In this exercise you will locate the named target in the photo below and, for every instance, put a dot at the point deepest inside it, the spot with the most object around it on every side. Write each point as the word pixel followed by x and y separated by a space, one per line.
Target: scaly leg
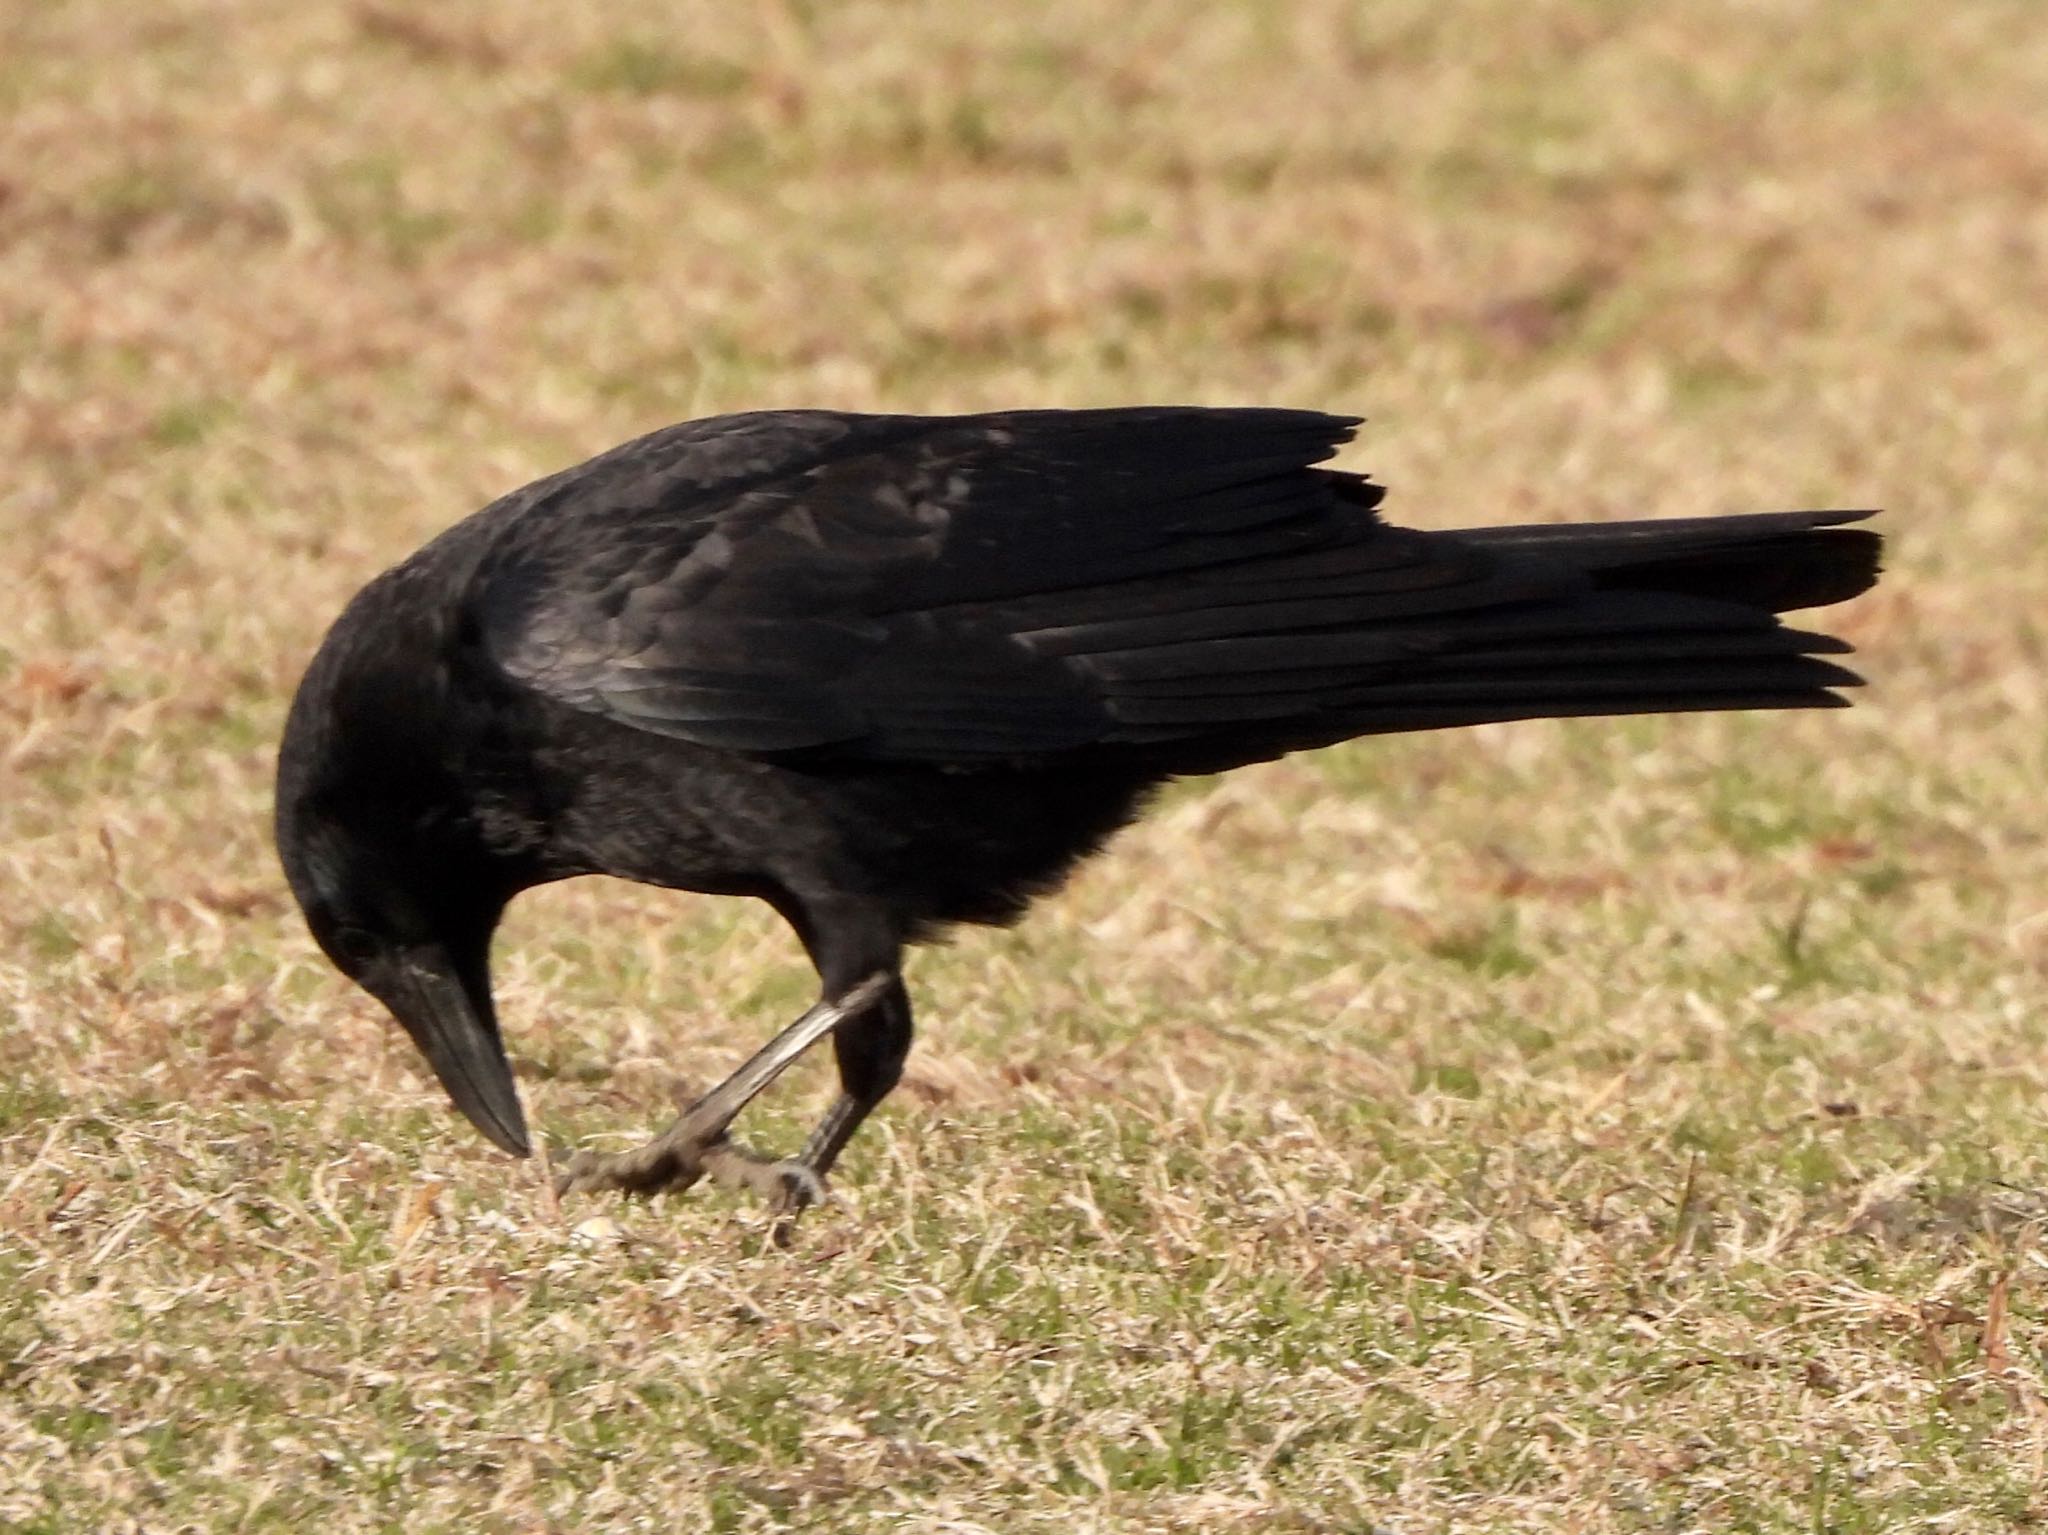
pixel 870 1048
pixel 695 1144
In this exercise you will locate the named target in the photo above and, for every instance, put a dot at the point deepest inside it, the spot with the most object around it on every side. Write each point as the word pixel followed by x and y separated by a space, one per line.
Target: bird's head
pixel 396 899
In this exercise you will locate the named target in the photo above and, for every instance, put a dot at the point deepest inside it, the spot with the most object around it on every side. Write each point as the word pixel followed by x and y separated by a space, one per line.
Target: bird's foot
pixel 696 1143
pixel 666 1165
pixel 788 1184
pixel 663 1165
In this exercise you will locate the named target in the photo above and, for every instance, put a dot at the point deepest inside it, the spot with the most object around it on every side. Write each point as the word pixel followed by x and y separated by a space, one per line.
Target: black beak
pixel 457 1031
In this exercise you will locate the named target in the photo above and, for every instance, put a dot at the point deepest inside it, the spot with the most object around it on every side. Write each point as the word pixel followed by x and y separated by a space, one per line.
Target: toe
pixel 788 1185
pixel 800 1187
pixel 653 1169
pixel 579 1176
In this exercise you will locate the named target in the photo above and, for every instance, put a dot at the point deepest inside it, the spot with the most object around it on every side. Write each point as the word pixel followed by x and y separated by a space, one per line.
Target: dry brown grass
pixel 1594 1128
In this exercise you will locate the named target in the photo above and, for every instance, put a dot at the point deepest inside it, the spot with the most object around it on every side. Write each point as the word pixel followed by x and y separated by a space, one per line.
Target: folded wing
pixel 1180 582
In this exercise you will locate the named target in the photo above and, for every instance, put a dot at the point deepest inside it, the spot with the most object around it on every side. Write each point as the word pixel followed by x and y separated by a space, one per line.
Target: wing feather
pixel 968 589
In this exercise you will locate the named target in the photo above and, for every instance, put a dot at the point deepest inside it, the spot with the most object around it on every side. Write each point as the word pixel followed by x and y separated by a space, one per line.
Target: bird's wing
pixel 997 587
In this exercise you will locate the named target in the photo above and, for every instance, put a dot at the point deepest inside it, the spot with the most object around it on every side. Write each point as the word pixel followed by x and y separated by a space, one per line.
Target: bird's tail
pixel 1643 618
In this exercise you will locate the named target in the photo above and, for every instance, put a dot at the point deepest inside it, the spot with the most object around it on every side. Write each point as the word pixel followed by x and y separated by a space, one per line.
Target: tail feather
pixel 1631 618
pixel 1776 561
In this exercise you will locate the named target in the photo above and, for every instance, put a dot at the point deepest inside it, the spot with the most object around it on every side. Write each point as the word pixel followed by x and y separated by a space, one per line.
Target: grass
pixel 1595 1127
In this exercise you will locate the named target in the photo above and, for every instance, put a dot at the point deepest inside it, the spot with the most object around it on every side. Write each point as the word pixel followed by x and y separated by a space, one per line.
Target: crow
pixel 892 673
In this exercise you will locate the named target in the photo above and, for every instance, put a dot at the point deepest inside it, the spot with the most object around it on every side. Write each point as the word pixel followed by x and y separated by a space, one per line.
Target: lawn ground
pixel 1597 1127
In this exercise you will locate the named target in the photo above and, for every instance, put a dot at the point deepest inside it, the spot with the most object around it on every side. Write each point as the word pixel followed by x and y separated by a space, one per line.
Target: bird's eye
pixel 355 945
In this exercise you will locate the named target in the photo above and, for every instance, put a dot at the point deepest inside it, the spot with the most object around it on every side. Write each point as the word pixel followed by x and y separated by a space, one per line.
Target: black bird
pixel 891 673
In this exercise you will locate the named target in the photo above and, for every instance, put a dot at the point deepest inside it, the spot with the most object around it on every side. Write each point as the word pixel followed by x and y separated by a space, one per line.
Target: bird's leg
pixel 870 1049
pixel 695 1144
